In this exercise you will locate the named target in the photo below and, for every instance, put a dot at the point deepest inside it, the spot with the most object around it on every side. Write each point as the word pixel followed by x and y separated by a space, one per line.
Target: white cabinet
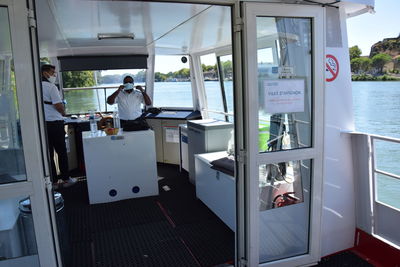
pixel 206 136
pixel 216 189
pixel 120 166
pixel 167 139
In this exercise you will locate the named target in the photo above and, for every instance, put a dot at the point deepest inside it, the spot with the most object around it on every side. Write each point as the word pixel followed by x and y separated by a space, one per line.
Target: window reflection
pixel 12 164
pixel 17 237
pixel 284 83
pixel 280 185
pixel 284 209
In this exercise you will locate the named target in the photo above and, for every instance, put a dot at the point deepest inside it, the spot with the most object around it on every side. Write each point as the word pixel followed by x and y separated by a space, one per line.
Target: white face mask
pixel 128 86
pixel 52 79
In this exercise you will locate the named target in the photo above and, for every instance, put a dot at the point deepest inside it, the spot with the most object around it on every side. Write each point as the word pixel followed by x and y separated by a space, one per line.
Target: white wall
pixel 338 217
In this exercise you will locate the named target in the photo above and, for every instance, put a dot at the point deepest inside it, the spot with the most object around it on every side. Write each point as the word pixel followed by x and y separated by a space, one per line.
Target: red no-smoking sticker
pixel 332 68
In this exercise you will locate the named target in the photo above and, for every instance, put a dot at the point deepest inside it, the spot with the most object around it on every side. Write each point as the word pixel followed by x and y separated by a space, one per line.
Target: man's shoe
pixel 70 182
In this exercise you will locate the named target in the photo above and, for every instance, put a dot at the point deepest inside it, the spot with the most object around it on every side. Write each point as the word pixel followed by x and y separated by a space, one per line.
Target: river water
pixel 376 111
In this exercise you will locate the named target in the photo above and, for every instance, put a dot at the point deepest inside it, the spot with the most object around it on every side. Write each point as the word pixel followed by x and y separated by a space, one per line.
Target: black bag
pixel 139 124
pixel 154 111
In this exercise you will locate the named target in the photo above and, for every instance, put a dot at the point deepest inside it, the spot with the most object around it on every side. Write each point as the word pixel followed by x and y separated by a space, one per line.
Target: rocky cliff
pixel 390 46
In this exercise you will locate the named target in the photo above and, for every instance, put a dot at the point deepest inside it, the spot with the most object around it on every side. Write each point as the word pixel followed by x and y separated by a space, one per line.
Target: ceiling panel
pixel 71 27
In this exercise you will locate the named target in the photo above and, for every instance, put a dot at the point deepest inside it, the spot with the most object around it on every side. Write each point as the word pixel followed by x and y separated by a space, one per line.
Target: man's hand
pixel 120 88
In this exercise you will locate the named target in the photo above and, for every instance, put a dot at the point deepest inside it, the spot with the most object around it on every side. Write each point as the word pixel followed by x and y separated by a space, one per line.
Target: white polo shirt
pixel 51 94
pixel 129 105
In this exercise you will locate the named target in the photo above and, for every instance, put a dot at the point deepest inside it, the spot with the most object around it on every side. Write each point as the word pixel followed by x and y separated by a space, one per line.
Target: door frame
pixel 32 137
pixel 253 157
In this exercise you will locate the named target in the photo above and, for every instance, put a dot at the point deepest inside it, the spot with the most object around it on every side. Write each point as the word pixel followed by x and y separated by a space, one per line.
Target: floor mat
pixel 211 241
pixel 149 231
pixel 153 244
pixel 344 259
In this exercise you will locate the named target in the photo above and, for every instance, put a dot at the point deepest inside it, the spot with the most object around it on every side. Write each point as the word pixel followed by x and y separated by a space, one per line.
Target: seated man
pixel 129 101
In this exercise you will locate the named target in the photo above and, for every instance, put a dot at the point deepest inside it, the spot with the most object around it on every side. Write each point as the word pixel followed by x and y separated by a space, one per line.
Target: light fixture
pixel 102 36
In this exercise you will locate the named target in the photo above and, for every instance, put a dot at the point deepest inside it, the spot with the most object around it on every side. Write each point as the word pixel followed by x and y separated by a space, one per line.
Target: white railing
pixel 376 214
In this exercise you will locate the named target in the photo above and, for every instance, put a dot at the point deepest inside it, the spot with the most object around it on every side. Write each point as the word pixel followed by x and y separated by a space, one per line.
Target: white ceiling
pixel 71 27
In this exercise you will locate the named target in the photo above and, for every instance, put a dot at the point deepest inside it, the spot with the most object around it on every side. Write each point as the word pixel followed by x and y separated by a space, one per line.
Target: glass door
pixel 284 85
pixel 26 237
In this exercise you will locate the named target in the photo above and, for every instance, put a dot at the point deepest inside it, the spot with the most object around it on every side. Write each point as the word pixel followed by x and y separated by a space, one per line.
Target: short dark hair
pixel 128 77
pixel 47 67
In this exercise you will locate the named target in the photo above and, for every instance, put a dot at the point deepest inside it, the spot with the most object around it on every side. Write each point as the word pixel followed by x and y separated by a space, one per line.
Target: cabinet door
pixel 217 191
pixel 156 126
pixel 170 131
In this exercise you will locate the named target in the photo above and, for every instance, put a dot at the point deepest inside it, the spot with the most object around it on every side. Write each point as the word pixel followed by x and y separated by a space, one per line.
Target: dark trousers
pixel 56 141
pixel 136 124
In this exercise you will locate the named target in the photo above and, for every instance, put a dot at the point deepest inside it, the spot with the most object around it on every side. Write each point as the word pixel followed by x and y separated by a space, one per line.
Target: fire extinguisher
pixel 284 199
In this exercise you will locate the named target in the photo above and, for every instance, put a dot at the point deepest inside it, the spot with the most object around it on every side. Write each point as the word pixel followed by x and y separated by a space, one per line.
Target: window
pixel 88 90
pixel 172 86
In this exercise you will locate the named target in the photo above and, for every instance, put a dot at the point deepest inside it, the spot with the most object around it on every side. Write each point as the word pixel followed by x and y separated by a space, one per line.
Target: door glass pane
pixel 17 236
pixel 12 164
pixel 284 209
pixel 284 63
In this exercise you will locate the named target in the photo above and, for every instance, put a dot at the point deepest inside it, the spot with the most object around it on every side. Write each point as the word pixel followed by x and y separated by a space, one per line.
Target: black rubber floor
pixel 172 229
pixel 344 259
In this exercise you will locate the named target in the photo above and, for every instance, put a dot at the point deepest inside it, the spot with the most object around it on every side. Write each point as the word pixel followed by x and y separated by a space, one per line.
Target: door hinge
pixel 47 182
pixel 243 262
pixel 31 18
pixel 238 27
pixel 242 156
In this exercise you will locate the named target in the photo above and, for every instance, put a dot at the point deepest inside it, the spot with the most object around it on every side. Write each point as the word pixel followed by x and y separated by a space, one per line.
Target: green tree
pixel 365 64
pixel 159 77
pixel 355 52
pixel 379 61
pixel 140 77
pixel 78 79
pixel 355 65
pixel 182 73
pixel 227 67
pixel 361 64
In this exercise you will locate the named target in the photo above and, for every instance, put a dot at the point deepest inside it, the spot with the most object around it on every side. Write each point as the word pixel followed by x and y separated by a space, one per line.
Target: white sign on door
pixel 171 135
pixel 284 96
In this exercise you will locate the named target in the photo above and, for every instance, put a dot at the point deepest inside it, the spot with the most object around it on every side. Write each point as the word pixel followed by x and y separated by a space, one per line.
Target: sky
pixel 368 29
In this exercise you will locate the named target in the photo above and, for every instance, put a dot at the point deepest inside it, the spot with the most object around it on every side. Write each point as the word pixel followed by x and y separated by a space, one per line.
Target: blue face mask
pixel 128 86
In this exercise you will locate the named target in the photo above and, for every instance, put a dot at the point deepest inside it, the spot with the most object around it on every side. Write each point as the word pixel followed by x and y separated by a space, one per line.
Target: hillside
pixel 390 46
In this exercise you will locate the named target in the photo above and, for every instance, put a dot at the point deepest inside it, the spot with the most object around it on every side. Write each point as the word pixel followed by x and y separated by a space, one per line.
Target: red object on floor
pixel 375 251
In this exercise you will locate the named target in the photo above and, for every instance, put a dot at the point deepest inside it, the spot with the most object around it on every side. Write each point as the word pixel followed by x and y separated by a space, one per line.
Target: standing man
pixel 129 101
pixel 54 115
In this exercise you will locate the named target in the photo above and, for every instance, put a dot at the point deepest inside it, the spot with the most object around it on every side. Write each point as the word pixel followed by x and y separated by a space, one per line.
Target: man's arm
pixel 111 98
pixel 147 99
pixel 60 108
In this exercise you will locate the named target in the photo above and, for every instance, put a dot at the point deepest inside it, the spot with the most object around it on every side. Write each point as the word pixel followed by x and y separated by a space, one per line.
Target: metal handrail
pixel 387 174
pixel 89 88
pixel 374 137
pixel 93 88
